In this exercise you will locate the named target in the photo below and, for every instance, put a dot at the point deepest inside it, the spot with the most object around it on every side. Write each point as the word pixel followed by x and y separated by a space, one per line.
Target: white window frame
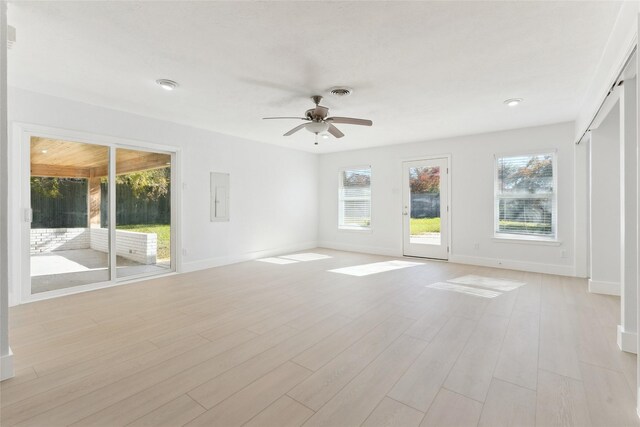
pixel 554 198
pixel 340 199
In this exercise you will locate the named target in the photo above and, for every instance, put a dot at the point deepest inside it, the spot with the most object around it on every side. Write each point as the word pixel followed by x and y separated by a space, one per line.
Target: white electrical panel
pixel 219 196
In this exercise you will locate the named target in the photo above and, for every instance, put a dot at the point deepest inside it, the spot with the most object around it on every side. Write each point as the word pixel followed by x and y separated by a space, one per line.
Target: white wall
pixel 605 205
pixel 6 356
pixel 627 331
pixel 472 198
pixel 622 40
pixel 273 204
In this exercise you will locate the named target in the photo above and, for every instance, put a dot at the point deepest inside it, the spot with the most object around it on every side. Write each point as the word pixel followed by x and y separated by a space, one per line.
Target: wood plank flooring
pixel 272 345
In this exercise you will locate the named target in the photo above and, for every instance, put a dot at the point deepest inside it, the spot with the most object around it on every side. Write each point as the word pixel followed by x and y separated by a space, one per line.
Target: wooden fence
pixel 425 205
pixel 69 208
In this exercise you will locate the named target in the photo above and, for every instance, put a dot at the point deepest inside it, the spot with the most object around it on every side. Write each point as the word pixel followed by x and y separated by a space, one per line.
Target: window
pixel 526 196
pixel 354 196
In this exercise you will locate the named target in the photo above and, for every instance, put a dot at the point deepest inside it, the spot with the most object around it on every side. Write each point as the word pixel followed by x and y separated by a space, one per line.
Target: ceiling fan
pixel 317 121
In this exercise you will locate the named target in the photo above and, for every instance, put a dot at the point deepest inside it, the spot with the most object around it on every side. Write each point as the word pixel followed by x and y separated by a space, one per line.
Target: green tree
pixel 150 184
pixel 424 180
pixel 45 186
pixel 356 179
pixel 534 176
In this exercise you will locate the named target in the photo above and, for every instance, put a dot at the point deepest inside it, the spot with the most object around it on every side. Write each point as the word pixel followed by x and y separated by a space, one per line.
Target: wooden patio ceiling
pixel 66 159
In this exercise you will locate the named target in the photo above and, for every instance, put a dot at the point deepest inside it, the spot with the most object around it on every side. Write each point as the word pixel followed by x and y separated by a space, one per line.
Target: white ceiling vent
pixel 11 36
pixel 341 91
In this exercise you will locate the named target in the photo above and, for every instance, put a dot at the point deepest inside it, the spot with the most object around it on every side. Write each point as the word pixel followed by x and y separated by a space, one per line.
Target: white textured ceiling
pixel 420 70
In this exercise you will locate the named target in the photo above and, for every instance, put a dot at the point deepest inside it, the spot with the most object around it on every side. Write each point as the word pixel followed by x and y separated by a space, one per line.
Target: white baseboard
pixel 627 341
pixel 562 270
pixel 361 248
pixel 226 260
pixel 6 366
pixel 605 288
pixel 534 267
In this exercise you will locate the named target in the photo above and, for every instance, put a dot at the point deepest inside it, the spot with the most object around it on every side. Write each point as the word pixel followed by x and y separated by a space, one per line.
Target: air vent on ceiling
pixel 341 91
pixel 11 36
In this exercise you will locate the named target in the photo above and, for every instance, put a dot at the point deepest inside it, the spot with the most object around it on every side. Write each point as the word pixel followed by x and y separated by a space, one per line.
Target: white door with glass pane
pixel 425 210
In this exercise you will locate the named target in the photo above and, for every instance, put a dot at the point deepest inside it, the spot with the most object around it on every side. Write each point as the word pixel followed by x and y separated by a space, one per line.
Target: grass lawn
pixel 425 225
pixel 526 227
pixel 163 232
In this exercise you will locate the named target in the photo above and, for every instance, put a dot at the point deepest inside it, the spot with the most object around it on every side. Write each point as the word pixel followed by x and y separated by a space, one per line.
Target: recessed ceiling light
pixel 512 102
pixel 44 151
pixel 167 84
pixel 325 136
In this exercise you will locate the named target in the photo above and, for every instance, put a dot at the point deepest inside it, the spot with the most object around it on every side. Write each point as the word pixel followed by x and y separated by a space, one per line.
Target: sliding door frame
pixel 20 205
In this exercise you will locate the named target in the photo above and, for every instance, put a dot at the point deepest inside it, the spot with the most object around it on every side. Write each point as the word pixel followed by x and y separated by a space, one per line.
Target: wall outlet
pixel 476 246
pixel 184 252
pixel 499 262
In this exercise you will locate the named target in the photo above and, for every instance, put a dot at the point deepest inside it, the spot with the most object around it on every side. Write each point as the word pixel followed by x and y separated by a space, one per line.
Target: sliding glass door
pixel 98 213
pixel 69 244
pixel 143 212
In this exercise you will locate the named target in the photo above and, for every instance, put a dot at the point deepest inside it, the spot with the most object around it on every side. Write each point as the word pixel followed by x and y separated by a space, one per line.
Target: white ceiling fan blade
pixel 335 131
pixel 277 118
pixel 350 121
pixel 296 129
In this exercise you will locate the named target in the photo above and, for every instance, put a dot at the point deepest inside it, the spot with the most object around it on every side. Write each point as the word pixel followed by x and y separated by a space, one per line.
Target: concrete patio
pixel 66 269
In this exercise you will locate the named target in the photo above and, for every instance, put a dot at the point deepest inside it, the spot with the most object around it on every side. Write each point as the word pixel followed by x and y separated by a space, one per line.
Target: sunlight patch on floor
pixel 274 260
pixel 294 258
pixel 487 282
pixel 485 293
pixel 308 256
pixel 375 268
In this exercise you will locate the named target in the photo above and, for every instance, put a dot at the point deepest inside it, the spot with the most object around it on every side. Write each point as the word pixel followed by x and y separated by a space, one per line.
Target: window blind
pixel 526 195
pixel 354 195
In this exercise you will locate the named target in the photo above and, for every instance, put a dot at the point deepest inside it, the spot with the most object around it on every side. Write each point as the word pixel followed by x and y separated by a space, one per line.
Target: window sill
pixel 526 240
pixel 355 229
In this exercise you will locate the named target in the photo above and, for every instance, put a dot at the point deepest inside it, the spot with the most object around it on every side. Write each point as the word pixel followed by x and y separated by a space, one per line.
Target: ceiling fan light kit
pixel 317 121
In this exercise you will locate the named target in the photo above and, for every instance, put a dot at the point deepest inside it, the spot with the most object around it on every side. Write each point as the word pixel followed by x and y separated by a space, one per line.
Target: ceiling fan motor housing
pixel 318 113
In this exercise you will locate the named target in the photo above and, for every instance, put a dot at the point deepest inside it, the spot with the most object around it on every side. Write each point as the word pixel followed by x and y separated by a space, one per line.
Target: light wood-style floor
pixel 263 344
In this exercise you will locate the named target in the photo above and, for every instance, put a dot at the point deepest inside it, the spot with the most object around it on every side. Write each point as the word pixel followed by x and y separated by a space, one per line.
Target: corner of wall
pixel 6 366
pixel 204 264
pixel 604 288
